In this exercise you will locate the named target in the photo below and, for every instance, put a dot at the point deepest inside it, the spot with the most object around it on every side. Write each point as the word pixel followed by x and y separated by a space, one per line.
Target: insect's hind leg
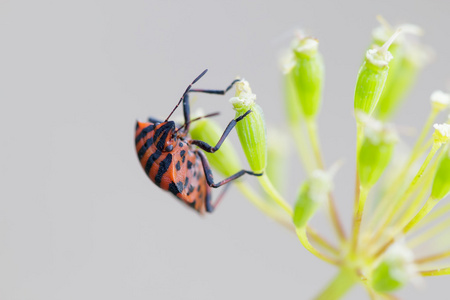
pixel 210 178
pixel 210 207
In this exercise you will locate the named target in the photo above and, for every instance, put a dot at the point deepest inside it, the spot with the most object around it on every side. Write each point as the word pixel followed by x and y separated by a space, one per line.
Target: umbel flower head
pixel 400 207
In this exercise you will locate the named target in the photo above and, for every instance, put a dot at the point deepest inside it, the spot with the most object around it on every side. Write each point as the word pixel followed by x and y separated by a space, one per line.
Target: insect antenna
pixel 187 91
pixel 196 119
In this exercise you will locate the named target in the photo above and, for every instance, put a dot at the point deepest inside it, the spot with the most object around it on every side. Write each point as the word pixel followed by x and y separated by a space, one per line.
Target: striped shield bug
pixel 173 161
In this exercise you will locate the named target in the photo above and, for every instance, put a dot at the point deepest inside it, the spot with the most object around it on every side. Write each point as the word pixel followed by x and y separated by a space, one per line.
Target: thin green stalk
pixel 321 241
pixel 418 149
pixel 413 205
pixel 339 286
pixel 302 236
pixel 431 202
pixel 266 207
pixel 429 233
pixel 274 194
pixel 437 272
pixel 400 202
pixel 357 217
pixel 311 126
pixel 269 210
pixel 425 129
pixel 434 257
pixel 433 216
pixel 305 154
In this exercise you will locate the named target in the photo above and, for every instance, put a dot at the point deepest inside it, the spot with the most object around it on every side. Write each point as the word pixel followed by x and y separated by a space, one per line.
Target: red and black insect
pixel 172 161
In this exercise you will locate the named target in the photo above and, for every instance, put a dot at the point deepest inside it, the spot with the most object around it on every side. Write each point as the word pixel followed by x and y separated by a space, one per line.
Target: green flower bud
pixel 293 109
pixel 401 78
pixel 441 183
pixel 308 75
pixel 395 270
pixel 225 160
pixel 409 60
pixel 252 128
pixel 372 77
pixel 313 192
pixel 375 152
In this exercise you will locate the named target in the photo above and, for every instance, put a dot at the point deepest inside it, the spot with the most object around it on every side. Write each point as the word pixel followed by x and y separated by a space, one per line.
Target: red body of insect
pixel 173 162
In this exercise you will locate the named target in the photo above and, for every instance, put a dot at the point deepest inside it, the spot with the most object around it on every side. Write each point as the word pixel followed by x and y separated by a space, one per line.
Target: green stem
pixel 400 202
pixel 266 207
pixel 357 217
pixel 305 154
pixel 302 236
pixel 418 149
pixel 276 214
pixel 434 257
pixel 429 233
pixel 274 194
pixel 437 272
pixel 425 129
pixel 420 195
pixel 431 202
pixel 311 126
pixel 341 284
pixel 433 216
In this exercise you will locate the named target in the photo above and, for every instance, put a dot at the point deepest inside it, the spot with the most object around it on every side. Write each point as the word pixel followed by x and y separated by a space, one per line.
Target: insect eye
pixel 169 148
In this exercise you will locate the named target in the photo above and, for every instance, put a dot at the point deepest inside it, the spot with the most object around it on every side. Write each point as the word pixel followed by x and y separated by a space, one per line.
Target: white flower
pixel 378 58
pixel 287 61
pixel 244 97
pixel 321 183
pixel 441 133
pixel 307 45
pixel 440 100
pixel 401 260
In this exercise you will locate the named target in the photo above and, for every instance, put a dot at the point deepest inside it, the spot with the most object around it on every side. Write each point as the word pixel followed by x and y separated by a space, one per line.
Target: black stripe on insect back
pixel 162 138
pixel 145 147
pixel 163 167
pixel 144 132
pixel 173 188
pixel 151 160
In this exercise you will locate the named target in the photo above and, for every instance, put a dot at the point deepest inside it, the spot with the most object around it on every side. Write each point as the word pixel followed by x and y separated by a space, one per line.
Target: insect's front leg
pixel 209 148
pixel 218 92
pixel 186 106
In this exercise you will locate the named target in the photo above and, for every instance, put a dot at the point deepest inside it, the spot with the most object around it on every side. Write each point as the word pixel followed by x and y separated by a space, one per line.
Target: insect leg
pixel 210 207
pixel 207 147
pixel 154 121
pixel 186 107
pixel 186 112
pixel 218 92
pixel 210 178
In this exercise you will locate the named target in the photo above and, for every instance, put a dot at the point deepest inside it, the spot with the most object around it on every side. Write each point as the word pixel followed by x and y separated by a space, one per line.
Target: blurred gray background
pixel 78 217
